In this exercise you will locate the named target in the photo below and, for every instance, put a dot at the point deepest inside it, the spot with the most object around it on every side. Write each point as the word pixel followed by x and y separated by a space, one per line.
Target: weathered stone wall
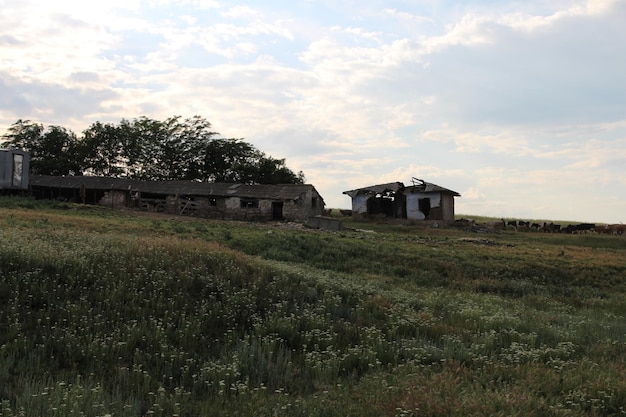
pixel 308 205
pixel 230 208
pixel 324 223
pixel 115 199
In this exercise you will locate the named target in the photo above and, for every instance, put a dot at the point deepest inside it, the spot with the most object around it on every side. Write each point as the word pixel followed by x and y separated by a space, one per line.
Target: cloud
pixel 406 17
pixel 473 193
pixel 515 105
pixel 484 70
pixel 50 103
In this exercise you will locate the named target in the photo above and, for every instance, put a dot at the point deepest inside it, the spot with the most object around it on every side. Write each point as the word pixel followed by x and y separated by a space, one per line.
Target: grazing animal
pixel 551 227
pixel 519 225
pixel 585 227
pixel 579 228
pixel 602 229
pixel 615 229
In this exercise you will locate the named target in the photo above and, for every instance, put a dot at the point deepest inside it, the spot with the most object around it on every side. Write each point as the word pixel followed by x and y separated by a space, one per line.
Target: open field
pixel 127 314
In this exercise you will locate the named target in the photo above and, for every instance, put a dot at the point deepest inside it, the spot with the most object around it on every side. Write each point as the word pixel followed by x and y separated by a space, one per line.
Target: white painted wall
pixel 412 204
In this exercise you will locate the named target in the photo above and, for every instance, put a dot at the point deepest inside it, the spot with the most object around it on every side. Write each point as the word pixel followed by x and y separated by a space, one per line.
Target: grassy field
pixel 112 313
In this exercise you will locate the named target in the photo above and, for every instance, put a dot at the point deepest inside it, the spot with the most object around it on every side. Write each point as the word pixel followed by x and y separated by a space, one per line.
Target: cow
pixel 585 227
pixel 578 228
pixel 615 229
pixel 519 225
pixel 551 227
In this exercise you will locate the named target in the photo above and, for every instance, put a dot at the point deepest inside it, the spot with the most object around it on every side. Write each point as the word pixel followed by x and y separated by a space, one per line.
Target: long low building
pixel 291 202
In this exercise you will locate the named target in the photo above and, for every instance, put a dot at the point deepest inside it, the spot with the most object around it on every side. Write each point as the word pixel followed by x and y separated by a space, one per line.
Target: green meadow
pixel 120 313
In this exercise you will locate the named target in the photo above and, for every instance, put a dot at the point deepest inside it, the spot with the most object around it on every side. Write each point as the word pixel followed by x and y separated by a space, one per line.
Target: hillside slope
pixel 118 313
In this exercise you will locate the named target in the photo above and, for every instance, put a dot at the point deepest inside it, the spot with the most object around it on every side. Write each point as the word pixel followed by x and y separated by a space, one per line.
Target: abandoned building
pixel 14 170
pixel 419 201
pixel 291 202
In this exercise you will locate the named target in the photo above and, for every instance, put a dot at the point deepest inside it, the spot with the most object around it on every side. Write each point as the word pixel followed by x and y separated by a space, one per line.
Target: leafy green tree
pixel 227 160
pixel 53 151
pixel 164 150
pixel 182 152
pixel 199 135
pixel 147 149
pixel 101 150
pixel 132 152
pixel 148 138
pixel 233 160
pixel 24 135
pixel 274 171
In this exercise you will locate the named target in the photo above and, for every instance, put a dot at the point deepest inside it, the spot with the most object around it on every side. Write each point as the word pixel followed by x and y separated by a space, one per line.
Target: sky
pixel 518 105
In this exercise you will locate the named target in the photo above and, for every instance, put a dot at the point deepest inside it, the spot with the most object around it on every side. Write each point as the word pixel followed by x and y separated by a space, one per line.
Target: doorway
pixel 277 211
pixel 424 206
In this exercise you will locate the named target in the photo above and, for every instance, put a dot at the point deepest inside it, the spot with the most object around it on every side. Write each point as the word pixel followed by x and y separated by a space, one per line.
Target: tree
pixel 274 171
pixel 53 151
pixel 147 136
pixel 183 150
pixel 101 150
pixel 168 150
pixel 24 135
pixel 147 149
pixel 227 160
pixel 233 160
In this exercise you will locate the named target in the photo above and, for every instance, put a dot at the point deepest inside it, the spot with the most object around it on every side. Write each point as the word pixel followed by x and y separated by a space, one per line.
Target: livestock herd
pixel 550 227
pixel 528 226
pixel 543 227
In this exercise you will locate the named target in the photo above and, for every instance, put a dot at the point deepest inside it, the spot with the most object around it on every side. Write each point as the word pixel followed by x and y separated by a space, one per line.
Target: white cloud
pixel 240 11
pixel 203 4
pixel 406 16
pixel 515 105
pixel 473 193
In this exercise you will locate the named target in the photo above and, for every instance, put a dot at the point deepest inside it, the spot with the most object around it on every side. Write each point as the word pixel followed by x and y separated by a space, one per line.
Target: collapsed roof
pixel 417 186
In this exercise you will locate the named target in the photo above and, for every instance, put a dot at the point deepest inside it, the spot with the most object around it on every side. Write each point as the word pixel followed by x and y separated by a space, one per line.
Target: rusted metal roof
pixel 215 189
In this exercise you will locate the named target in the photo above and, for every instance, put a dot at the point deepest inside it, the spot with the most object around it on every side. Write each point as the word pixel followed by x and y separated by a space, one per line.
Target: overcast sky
pixel 518 105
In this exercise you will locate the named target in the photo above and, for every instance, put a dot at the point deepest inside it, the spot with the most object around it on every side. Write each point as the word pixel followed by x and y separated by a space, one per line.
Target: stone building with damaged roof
pixel 419 201
pixel 290 202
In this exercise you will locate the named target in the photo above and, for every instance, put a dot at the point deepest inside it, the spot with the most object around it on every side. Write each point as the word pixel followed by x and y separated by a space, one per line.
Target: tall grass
pixel 107 313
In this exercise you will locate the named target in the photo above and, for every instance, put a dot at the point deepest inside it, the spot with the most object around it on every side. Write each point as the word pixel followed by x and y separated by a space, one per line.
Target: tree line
pixel 147 149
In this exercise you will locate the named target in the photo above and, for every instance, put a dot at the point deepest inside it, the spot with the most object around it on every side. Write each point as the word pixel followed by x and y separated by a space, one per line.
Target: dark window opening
pixel 314 202
pixel 212 201
pixel 249 203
